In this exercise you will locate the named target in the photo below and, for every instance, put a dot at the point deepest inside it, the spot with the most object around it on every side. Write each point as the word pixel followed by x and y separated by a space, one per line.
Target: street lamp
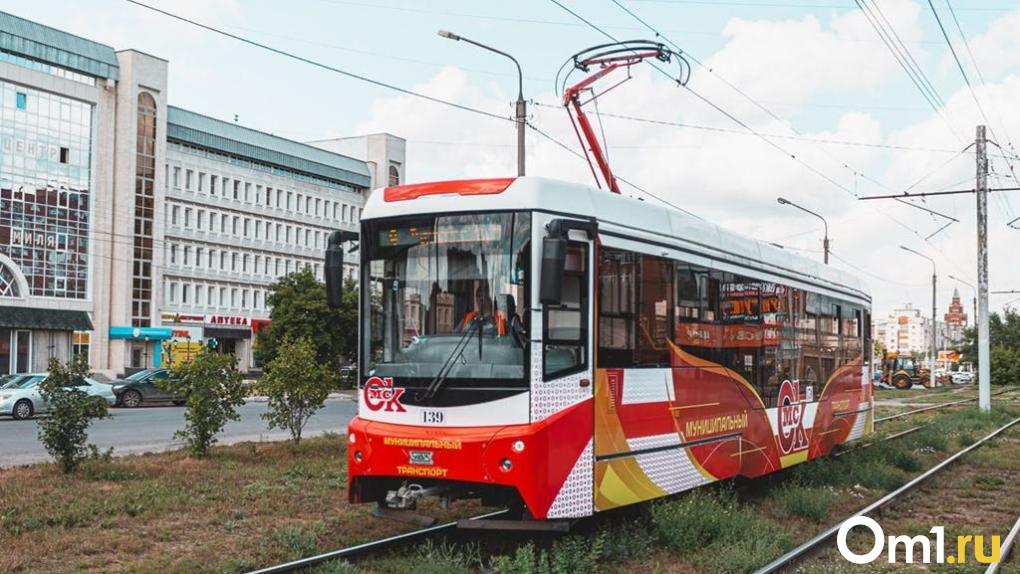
pixel 522 107
pixel 934 324
pixel 825 242
pixel 972 288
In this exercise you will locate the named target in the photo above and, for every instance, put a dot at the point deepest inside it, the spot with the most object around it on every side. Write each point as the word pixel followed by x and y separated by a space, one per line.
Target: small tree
pixel 70 411
pixel 297 386
pixel 300 311
pixel 214 390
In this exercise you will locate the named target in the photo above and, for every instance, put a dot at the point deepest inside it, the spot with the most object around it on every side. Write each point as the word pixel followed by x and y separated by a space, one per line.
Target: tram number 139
pixel 432 417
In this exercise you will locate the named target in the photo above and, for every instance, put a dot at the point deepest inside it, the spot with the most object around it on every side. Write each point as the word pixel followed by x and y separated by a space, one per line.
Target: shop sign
pixel 182 318
pixel 228 320
pixel 186 334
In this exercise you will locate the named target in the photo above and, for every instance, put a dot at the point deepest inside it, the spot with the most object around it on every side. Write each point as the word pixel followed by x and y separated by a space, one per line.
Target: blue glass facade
pixel 45 174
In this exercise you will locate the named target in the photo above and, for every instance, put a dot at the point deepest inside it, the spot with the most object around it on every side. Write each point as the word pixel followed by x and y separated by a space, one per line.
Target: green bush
pixel 565 556
pixel 297 386
pixel 214 390
pixel 626 540
pixel 743 555
pixel 809 502
pixel 718 533
pixel 70 411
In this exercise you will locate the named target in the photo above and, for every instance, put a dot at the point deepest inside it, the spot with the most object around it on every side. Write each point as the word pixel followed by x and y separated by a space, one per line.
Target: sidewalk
pixel 344 395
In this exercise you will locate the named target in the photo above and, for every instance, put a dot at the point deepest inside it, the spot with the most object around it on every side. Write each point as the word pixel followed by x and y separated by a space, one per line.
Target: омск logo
pixel 380 394
pixel 791 418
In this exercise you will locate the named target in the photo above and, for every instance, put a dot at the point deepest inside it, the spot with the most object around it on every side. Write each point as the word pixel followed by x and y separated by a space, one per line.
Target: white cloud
pixel 734 179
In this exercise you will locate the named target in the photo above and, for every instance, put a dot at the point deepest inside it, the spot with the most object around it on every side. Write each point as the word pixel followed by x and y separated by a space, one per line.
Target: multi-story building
pixel 908 330
pixel 58 97
pixel 126 223
pixel 242 209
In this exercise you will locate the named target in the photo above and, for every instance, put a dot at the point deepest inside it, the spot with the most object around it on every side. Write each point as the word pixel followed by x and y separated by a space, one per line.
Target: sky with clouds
pixel 813 77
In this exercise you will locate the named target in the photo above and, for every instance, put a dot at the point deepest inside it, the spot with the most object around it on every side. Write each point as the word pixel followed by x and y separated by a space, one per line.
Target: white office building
pixel 127 224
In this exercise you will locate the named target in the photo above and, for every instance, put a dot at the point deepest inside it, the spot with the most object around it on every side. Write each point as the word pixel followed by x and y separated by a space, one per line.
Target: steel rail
pixel 1007 545
pixel 857 447
pixel 924 409
pixel 937 406
pixel 366 546
pixel 798 552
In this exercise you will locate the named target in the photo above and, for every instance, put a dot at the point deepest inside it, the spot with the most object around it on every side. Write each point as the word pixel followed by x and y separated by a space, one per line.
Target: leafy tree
pixel 297 386
pixel 70 411
pixel 299 311
pixel 1004 343
pixel 214 390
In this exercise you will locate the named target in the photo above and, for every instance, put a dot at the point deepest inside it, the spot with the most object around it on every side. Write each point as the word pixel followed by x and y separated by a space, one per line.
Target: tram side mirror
pixel 554 257
pixel 334 266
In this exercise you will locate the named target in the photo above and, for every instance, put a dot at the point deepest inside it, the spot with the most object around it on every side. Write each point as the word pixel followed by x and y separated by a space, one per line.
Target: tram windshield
pixel 446 296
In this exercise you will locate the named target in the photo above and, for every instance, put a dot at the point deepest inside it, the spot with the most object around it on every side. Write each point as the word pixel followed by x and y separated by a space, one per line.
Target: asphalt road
pixel 151 429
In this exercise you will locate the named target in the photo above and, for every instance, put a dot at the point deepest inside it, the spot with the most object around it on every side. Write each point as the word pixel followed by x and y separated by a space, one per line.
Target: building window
pixel 64 154
pixel 8 288
pixel 210 298
pixel 173 292
pixel 188 175
pixel 80 341
pixel 145 178
pixel 177 177
pixel 22 101
pixel 394 176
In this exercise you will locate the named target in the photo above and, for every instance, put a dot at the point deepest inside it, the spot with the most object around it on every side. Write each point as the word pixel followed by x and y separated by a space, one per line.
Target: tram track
pixel 807 548
pixel 365 547
pixel 395 540
pixel 1008 544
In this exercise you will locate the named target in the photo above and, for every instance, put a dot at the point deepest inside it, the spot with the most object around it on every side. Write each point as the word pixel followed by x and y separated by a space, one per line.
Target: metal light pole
pixel 522 106
pixel 972 288
pixel 825 241
pixel 934 324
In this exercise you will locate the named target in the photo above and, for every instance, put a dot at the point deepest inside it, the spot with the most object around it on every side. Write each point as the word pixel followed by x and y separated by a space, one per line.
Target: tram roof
pixel 627 215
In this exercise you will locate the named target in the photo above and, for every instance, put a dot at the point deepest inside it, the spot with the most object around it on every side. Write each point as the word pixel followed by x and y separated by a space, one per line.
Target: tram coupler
pixel 406 497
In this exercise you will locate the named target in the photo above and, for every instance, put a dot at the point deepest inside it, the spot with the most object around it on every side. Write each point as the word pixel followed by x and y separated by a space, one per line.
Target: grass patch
pixel 716 532
pixel 812 503
pixel 246 506
pixel 565 556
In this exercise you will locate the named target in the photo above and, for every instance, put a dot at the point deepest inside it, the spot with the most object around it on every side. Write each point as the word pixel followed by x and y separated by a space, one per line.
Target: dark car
pixel 145 387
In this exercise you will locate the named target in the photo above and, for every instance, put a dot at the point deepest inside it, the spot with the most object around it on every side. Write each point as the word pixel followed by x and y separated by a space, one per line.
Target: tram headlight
pixel 352 438
pixel 506 465
pixel 518 446
pixel 358 456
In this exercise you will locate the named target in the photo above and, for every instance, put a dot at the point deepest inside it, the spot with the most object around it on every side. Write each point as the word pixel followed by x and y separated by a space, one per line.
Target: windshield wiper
pixel 447 367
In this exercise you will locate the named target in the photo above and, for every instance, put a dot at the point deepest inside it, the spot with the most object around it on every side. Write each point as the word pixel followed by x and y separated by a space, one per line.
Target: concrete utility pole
pixel 521 117
pixel 825 240
pixel 934 310
pixel 984 366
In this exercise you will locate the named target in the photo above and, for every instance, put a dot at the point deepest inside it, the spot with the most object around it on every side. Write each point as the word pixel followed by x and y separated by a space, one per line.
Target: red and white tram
pixel 565 350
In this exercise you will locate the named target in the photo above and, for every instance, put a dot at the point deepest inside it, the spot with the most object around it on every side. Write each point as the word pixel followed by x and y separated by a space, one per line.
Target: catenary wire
pixel 747 127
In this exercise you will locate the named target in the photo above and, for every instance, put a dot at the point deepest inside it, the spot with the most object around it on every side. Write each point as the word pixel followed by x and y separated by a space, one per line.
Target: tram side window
pixel 617 307
pixel 655 314
pixel 566 325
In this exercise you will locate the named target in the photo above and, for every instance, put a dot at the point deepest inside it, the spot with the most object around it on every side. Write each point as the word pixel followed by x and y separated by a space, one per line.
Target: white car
pixel 20 397
pixel 963 377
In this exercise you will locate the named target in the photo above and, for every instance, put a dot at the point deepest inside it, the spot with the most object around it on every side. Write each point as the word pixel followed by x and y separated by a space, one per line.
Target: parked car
pixel 20 398
pixel 963 377
pixel 144 387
